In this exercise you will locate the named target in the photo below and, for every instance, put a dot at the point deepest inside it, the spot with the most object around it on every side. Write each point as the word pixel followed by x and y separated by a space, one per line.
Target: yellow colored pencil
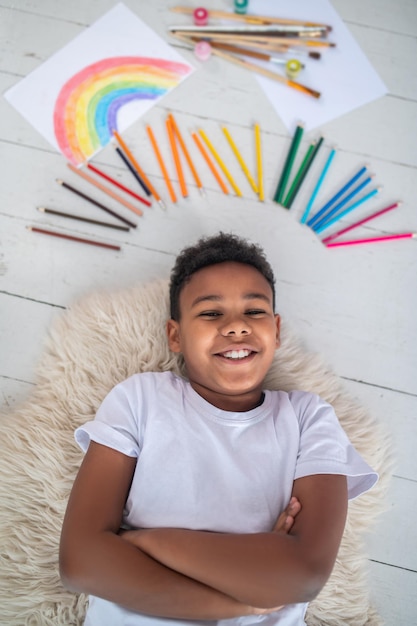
pixel 220 162
pixel 240 159
pixel 259 162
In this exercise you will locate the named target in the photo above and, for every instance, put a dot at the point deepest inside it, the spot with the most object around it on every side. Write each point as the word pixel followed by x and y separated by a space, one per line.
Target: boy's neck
pixel 231 403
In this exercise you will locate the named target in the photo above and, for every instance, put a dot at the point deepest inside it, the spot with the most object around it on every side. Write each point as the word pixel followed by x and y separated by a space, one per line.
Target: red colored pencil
pixel 116 183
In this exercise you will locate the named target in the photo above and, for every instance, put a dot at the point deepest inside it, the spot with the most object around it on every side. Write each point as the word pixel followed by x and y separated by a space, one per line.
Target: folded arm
pixel 95 560
pixel 263 569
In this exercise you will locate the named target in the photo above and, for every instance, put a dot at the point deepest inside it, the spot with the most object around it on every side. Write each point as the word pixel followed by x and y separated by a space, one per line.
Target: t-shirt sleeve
pixel 324 446
pixel 115 424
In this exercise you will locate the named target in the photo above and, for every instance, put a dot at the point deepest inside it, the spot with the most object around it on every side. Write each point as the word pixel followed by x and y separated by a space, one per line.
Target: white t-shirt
pixel 203 468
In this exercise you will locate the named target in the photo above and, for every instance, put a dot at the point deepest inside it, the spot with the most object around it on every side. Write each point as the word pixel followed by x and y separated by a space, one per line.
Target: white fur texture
pixel 100 341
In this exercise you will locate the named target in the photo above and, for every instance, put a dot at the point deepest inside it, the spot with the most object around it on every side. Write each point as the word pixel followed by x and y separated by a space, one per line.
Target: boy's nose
pixel 235 328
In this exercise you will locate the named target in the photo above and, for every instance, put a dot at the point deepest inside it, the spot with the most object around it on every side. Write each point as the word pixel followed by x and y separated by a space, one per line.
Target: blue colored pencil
pixel 342 203
pixel 318 185
pixel 336 196
pixel 348 210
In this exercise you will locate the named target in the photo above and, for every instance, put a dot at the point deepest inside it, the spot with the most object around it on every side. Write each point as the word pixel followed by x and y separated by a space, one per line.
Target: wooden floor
pixel 356 306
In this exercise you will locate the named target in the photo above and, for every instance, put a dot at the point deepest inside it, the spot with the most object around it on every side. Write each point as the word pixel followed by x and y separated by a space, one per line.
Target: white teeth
pixel 236 354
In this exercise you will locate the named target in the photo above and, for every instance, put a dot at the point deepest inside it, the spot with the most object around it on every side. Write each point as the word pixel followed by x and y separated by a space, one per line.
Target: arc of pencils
pixel 363 221
pixel 289 161
pixel 348 210
pixel 336 197
pixel 318 185
pixel 220 163
pixel 327 217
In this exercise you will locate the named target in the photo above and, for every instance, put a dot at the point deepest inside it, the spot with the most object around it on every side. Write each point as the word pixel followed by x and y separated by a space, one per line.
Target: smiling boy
pixel 236 496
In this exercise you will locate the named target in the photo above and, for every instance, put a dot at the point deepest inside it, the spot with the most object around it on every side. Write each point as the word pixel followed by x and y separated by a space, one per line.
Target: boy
pixel 236 497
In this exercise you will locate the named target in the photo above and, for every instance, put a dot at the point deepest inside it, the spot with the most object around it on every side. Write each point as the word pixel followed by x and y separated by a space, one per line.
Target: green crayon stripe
pixel 302 173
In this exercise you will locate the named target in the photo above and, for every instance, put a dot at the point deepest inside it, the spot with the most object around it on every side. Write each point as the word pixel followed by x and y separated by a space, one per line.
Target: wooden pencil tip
pixel 60 181
pixel 41 208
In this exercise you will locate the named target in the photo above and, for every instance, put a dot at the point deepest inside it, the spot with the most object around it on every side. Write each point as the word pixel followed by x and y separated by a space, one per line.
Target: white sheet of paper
pixel 117 35
pixel 343 75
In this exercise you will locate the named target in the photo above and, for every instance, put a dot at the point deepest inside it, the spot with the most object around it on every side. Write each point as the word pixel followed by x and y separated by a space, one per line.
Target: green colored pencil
pixel 288 164
pixel 302 172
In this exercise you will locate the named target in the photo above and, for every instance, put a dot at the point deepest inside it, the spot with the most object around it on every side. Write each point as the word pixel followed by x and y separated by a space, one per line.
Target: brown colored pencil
pixel 43 209
pixel 53 233
pixel 98 204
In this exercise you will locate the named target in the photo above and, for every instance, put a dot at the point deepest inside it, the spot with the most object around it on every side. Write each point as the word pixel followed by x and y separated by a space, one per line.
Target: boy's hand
pixel 286 519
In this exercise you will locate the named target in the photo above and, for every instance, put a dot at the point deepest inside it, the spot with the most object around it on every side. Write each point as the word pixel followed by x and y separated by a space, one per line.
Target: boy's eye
pixel 255 312
pixel 209 314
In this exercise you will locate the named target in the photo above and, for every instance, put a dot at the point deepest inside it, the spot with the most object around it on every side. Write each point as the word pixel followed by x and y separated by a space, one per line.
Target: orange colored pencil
pixel 176 156
pixel 209 162
pixel 185 151
pixel 161 163
pixel 137 167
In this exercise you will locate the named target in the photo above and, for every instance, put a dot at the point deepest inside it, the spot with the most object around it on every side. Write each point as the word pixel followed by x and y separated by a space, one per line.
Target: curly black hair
pixel 210 251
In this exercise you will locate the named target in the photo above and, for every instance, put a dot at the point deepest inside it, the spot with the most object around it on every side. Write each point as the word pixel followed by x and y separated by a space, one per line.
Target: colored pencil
pixel 43 209
pixel 348 210
pixel 135 174
pixel 336 197
pixel 161 164
pixel 341 204
pixel 98 204
pixel 53 233
pixel 138 168
pixel 363 221
pixel 105 189
pixel 289 161
pixel 116 183
pixel 318 185
pixel 259 165
pixel 354 242
pixel 240 159
pixel 181 141
pixel 220 163
pixel 302 172
pixel 209 162
pixel 176 157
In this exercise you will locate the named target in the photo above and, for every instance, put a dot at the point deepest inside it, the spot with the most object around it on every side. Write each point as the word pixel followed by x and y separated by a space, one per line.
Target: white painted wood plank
pixel 394 594
pixel 397 412
pixel 394 539
pixel 12 393
pixel 387 15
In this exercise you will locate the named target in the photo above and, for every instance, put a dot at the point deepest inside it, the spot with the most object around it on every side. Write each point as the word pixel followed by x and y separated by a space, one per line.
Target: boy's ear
pixel 173 335
pixel 278 327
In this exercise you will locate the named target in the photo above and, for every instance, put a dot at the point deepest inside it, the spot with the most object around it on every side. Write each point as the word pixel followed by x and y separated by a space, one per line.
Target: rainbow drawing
pixel 87 106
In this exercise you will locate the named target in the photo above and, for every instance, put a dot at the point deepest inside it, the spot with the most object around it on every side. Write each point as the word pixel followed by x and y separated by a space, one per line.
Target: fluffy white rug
pixel 98 342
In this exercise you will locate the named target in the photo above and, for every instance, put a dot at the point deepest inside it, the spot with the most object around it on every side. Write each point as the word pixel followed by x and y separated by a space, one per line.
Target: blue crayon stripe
pixel 342 203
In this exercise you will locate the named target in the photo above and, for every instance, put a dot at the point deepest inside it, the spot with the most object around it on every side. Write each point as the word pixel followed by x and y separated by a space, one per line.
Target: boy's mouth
pixel 235 355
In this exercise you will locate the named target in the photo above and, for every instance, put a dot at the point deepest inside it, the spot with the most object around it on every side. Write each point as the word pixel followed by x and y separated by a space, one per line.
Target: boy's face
pixel 227 333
